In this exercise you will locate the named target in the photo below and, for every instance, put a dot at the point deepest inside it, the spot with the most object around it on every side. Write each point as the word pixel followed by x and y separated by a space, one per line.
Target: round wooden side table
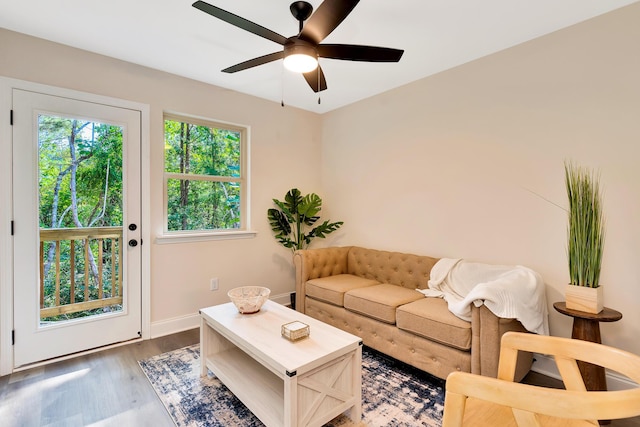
pixel 586 327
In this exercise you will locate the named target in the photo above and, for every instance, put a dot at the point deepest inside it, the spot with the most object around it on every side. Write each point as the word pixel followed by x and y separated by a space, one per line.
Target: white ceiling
pixel 173 36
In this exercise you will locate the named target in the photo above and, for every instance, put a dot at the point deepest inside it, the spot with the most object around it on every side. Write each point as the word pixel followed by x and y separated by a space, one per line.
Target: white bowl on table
pixel 249 299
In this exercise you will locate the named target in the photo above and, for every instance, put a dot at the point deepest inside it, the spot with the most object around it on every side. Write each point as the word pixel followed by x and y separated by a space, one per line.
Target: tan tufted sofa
pixel 372 294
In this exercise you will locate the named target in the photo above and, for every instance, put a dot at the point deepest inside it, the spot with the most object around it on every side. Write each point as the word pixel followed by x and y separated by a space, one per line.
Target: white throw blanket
pixel 508 291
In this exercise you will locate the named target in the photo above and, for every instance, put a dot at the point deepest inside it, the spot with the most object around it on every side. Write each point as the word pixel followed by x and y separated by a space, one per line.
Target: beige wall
pixel 469 163
pixel 284 146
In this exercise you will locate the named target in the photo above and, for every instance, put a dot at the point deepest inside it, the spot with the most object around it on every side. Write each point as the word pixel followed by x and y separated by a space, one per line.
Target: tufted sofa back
pixel 396 268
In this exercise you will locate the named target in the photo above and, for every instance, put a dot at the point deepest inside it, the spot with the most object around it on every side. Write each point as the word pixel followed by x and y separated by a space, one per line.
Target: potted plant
pixel 585 239
pixel 296 214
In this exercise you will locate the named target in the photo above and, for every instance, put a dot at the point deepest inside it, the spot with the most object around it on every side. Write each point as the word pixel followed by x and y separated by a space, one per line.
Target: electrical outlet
pixel 214 284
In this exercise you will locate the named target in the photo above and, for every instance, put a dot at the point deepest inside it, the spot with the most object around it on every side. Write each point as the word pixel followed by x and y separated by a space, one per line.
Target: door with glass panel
pixel 77 253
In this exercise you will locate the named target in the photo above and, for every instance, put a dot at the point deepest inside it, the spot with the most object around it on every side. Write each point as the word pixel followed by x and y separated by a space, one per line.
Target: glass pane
pixel 80 195
pixel 202 205
pixel 80 173
pixel 201 150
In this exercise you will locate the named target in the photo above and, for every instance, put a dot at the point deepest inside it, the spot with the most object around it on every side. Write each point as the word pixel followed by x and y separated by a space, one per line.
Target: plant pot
pixel 583 298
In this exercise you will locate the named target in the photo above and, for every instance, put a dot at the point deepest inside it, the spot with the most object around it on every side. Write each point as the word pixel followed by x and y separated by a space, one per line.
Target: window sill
pixel 202 237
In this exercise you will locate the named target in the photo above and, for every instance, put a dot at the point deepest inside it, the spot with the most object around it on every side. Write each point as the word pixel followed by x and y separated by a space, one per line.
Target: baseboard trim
pixel 192 321
pixel 174 325
pixel 545 365
pixel 284 299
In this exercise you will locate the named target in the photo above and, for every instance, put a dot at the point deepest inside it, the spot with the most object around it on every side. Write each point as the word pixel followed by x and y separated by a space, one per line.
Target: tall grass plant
pixel 586 226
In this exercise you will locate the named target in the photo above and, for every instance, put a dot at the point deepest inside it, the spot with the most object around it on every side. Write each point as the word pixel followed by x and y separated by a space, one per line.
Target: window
pixel 205 176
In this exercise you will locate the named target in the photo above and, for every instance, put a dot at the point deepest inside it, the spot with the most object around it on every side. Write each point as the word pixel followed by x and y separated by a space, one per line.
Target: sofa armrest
pixel 315 263
pixel 486 332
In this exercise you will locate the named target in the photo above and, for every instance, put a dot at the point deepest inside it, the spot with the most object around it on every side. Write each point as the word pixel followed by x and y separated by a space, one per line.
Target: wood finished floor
pixel 109 389
pixel 106 388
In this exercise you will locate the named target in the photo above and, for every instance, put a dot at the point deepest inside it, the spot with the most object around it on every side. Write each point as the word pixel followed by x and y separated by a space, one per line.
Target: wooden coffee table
pixel 284 383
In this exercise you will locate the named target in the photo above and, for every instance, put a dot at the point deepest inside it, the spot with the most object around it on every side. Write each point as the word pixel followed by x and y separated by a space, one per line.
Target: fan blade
pixel 240 22
pixel 312 78
pixel 326 18
pixel 254 62
pixel 351 52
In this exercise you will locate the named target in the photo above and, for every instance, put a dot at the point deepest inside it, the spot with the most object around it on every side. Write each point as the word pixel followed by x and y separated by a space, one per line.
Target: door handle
pixel 133 243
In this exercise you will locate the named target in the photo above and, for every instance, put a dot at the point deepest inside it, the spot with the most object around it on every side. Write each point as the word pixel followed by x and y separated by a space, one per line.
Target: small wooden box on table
pixel 284 383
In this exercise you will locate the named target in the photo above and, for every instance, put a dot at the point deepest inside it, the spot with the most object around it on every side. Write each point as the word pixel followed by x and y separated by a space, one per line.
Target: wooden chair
pixel 473 400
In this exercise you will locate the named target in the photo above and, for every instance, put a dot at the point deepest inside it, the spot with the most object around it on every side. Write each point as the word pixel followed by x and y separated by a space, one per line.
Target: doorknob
pixel 133 227
pixel 133 243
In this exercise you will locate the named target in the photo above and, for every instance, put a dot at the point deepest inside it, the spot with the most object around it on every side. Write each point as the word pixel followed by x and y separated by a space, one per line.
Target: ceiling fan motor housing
pixel 295 46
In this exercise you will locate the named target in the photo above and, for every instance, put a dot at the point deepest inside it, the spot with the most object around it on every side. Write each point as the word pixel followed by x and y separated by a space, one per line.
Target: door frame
pixel 6 204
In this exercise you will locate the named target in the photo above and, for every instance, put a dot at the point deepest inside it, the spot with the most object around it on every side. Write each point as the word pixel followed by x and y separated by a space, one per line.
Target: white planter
pixel 582 298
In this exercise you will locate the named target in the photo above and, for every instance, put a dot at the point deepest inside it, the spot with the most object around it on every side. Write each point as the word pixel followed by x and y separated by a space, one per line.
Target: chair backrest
pixel 533 405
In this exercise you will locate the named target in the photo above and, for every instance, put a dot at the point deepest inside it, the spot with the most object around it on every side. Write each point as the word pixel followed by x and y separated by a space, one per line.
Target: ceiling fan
pixel 301 51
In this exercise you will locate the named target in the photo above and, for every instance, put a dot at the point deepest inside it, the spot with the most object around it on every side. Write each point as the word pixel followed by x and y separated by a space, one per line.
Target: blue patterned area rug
pixel 393 394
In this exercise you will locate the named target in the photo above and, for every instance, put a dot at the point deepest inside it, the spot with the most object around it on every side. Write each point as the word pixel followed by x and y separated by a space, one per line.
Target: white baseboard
pixel 284 299
pixel 174 325
pixel 547 366
pixel 192 321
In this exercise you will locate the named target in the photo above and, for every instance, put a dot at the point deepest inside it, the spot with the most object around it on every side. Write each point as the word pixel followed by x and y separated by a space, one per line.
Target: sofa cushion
pixel 331 289
pixel 379 301
pixel 431 318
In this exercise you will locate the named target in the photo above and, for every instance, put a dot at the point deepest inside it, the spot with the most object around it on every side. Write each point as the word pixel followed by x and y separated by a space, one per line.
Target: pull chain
pixel 282 88
pixel 319 88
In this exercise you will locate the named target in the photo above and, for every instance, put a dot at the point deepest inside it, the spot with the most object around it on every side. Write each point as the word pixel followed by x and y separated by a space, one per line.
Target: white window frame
pixel 244 231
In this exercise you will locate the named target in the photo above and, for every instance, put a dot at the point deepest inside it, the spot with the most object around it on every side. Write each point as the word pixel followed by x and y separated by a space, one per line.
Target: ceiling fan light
pixel 300 57
pixel 300 63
